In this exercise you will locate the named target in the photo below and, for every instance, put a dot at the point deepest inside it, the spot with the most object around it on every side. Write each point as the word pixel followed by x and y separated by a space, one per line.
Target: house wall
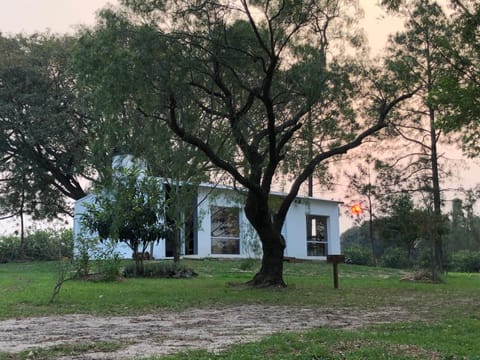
pixel 79 231
pixel 225 198
pixel 294 230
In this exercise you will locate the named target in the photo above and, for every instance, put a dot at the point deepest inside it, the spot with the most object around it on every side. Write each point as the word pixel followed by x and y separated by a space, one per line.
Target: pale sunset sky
pixel 61 16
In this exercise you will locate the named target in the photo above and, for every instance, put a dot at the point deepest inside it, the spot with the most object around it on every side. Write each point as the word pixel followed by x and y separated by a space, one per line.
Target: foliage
pixel 358 255
pixel 85 248
pixel 357 235
pixel 466 261
pixel 405 225
pixel 93 258
pixel 130 210
pixel 48 244
pixel 402 226
pixel 160 269
pixel 396 258
pixel 9 248
pixel 464 231
pixel 416 55
pixel 43 130
pixel 239 88
pixel 403 240
pixel 459 93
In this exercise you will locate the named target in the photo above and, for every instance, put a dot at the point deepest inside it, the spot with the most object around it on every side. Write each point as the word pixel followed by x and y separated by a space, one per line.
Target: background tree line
pixel 402 239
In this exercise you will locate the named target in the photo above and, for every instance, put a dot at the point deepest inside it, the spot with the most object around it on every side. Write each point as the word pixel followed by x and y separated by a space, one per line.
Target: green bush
pixel 358 255
pixel 466 261
pixel 395 258
pixel 48 244
pixel 160 269
pixel 95 258
pixel 110 264
pixel 9 249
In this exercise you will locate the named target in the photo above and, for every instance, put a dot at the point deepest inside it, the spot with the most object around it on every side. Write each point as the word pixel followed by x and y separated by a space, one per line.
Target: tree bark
pixel 273 243
pixel 437 202
pixel 370 227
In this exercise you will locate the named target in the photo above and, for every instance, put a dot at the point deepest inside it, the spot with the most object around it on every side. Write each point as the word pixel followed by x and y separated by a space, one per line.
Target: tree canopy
pixel 237 81
pixel 43 136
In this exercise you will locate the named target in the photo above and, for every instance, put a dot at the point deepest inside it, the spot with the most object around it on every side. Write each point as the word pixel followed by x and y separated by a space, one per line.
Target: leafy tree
pixel 464 225
pixel 402 227
pixel 179 166
pixel 357 235
pixel 129 210
pixel 236 82
pixel 459 93
pixel 458 235
pixel 472 221
pixel 43 133
pixel 417 56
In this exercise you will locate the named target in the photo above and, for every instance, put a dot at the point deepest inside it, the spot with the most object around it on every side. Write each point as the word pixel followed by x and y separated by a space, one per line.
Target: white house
pixel 219 228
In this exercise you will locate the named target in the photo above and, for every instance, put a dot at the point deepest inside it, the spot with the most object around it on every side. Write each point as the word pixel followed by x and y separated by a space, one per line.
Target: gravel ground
pixel 169 332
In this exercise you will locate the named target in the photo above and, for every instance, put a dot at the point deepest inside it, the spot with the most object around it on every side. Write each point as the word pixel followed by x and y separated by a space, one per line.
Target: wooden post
pixel 335 260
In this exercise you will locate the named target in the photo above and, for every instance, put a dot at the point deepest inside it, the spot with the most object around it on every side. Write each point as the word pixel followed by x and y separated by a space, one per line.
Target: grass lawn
pixel 450 312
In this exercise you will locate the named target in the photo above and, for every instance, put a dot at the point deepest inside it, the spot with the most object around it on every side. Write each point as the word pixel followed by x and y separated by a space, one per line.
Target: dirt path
pixel 171 332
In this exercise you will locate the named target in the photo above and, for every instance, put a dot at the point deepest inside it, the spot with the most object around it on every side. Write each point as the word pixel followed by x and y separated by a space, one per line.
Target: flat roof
pixel 274 193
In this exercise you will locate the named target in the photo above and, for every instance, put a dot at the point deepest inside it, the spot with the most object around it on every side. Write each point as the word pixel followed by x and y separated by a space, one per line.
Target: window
pixel 225 232
pixel 317 240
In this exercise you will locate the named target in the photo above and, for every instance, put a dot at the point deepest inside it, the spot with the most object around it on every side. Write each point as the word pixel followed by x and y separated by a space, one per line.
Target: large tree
pixel 236 80
pixel 417 55
pixel 43 132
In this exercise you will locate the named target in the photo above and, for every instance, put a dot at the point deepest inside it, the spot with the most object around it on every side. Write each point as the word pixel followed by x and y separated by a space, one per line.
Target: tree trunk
pixel 437 203
pixel 177 245
pixel 21 252
pixel 138 257
pixel 273 243
pixel 370 230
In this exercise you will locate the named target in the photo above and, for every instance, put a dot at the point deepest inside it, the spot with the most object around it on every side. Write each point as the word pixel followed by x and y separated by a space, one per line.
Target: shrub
pixel 160 269
pixel 47 244
pixel 395 258
pixel 9 248
pixel 107 262
pixel 466 261
pixel 110 262
pixel 358 255
pixel 85 247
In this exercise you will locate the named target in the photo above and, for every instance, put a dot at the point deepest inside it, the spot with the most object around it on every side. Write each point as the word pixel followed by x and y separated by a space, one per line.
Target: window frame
pixel 226 239
pixel 322 243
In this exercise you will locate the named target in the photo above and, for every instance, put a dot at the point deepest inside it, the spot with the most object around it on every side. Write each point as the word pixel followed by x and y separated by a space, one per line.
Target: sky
pixel 61 16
